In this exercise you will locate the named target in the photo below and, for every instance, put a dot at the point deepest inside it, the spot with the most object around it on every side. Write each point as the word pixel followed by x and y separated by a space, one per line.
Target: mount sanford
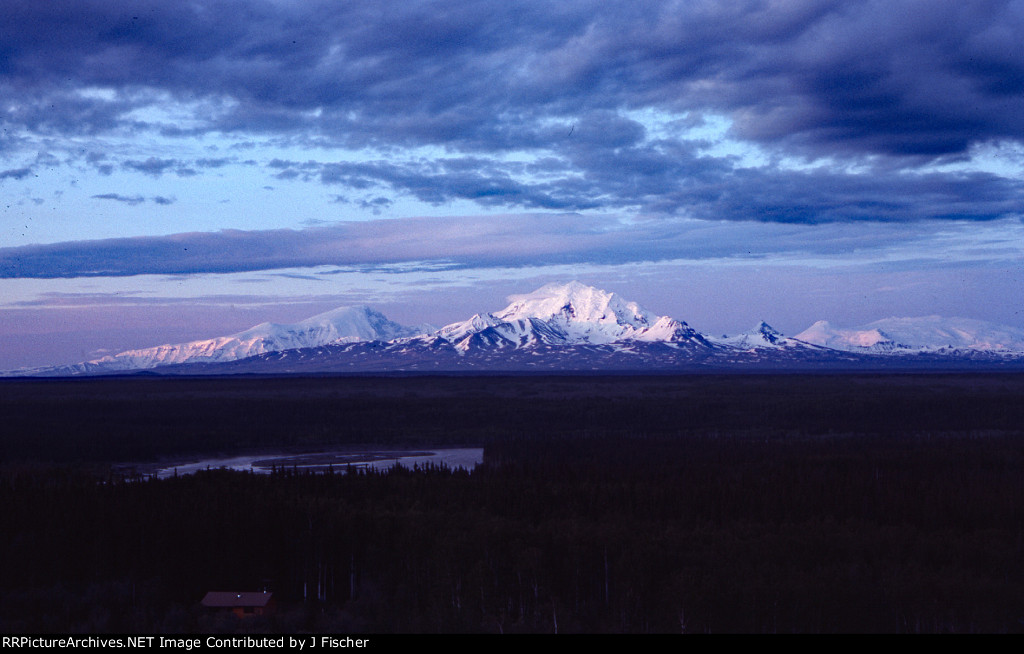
pixel 565 328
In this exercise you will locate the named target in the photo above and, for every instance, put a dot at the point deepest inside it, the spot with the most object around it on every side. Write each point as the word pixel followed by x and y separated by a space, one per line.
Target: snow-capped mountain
pixel 762 336
pixel 566 314
pixel 563 328
pixel 341 325
pixel 918 335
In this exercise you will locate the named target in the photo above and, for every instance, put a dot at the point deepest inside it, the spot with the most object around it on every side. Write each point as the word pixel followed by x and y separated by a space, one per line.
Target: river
pixel 337 460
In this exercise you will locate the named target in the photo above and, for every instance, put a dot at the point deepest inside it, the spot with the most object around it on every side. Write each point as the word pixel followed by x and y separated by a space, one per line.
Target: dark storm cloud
pixel 892 77
pixel 890 85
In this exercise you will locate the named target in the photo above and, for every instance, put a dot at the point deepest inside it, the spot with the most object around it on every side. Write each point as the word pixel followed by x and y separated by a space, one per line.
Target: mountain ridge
pixel 561 326
pixel 343 324
pixel 924 333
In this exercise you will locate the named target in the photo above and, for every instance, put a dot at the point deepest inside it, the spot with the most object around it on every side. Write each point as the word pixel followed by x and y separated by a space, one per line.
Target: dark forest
pixel 689 504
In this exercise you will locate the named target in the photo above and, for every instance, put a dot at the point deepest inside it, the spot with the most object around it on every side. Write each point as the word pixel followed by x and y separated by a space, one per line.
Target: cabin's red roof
pixel 232 599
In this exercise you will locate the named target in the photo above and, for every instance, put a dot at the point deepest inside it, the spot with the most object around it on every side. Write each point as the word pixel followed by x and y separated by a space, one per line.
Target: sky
pixel 179 170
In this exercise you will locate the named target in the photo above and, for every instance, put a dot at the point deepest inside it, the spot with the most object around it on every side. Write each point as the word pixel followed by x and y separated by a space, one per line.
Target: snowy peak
pixel 566 326
pixel 868 338
pixel 669 330
pixel 458 330
pixel 936 332
pixel 761 336
pixel 576 302
pixel 341 325
pixel 769 335
pixel 567 314
pixel 919 334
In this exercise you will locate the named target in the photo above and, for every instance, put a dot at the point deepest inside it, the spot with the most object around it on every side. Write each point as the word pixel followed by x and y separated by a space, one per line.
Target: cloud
pixel 438 182
pixel 156 167
pixel 134 200
pixel 503 241
pixel 892 78
pixel 219 162
pixel 376 205
pixel 99 162
pixel 675 179
pixel 15 173
pixel 117 197
pixel 540 105
pixel 122 298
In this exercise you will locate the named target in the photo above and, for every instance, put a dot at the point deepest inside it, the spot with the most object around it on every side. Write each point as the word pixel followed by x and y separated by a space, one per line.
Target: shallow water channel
pixel 334 460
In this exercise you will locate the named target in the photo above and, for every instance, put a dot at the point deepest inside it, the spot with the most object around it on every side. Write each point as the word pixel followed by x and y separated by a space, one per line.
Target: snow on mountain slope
pixel 342 325
pixel 566 314
pixel 562 327
pixel 920 334
pixel 762 336
pixel 849 340
pixel 603 315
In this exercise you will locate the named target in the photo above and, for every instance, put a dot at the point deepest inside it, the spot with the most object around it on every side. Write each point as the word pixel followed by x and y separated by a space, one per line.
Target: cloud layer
pixel 509 241
pixel 828 110
pixel 896 78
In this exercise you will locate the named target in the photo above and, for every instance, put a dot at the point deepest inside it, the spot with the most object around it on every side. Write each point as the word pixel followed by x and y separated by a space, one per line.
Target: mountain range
pixel 564 327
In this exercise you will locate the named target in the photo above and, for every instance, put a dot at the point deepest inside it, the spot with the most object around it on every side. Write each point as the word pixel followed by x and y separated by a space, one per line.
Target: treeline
pixel 148 418
pixel 754 530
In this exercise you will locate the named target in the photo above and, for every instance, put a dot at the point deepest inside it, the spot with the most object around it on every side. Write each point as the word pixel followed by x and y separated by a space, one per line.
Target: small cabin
pixel 244 604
